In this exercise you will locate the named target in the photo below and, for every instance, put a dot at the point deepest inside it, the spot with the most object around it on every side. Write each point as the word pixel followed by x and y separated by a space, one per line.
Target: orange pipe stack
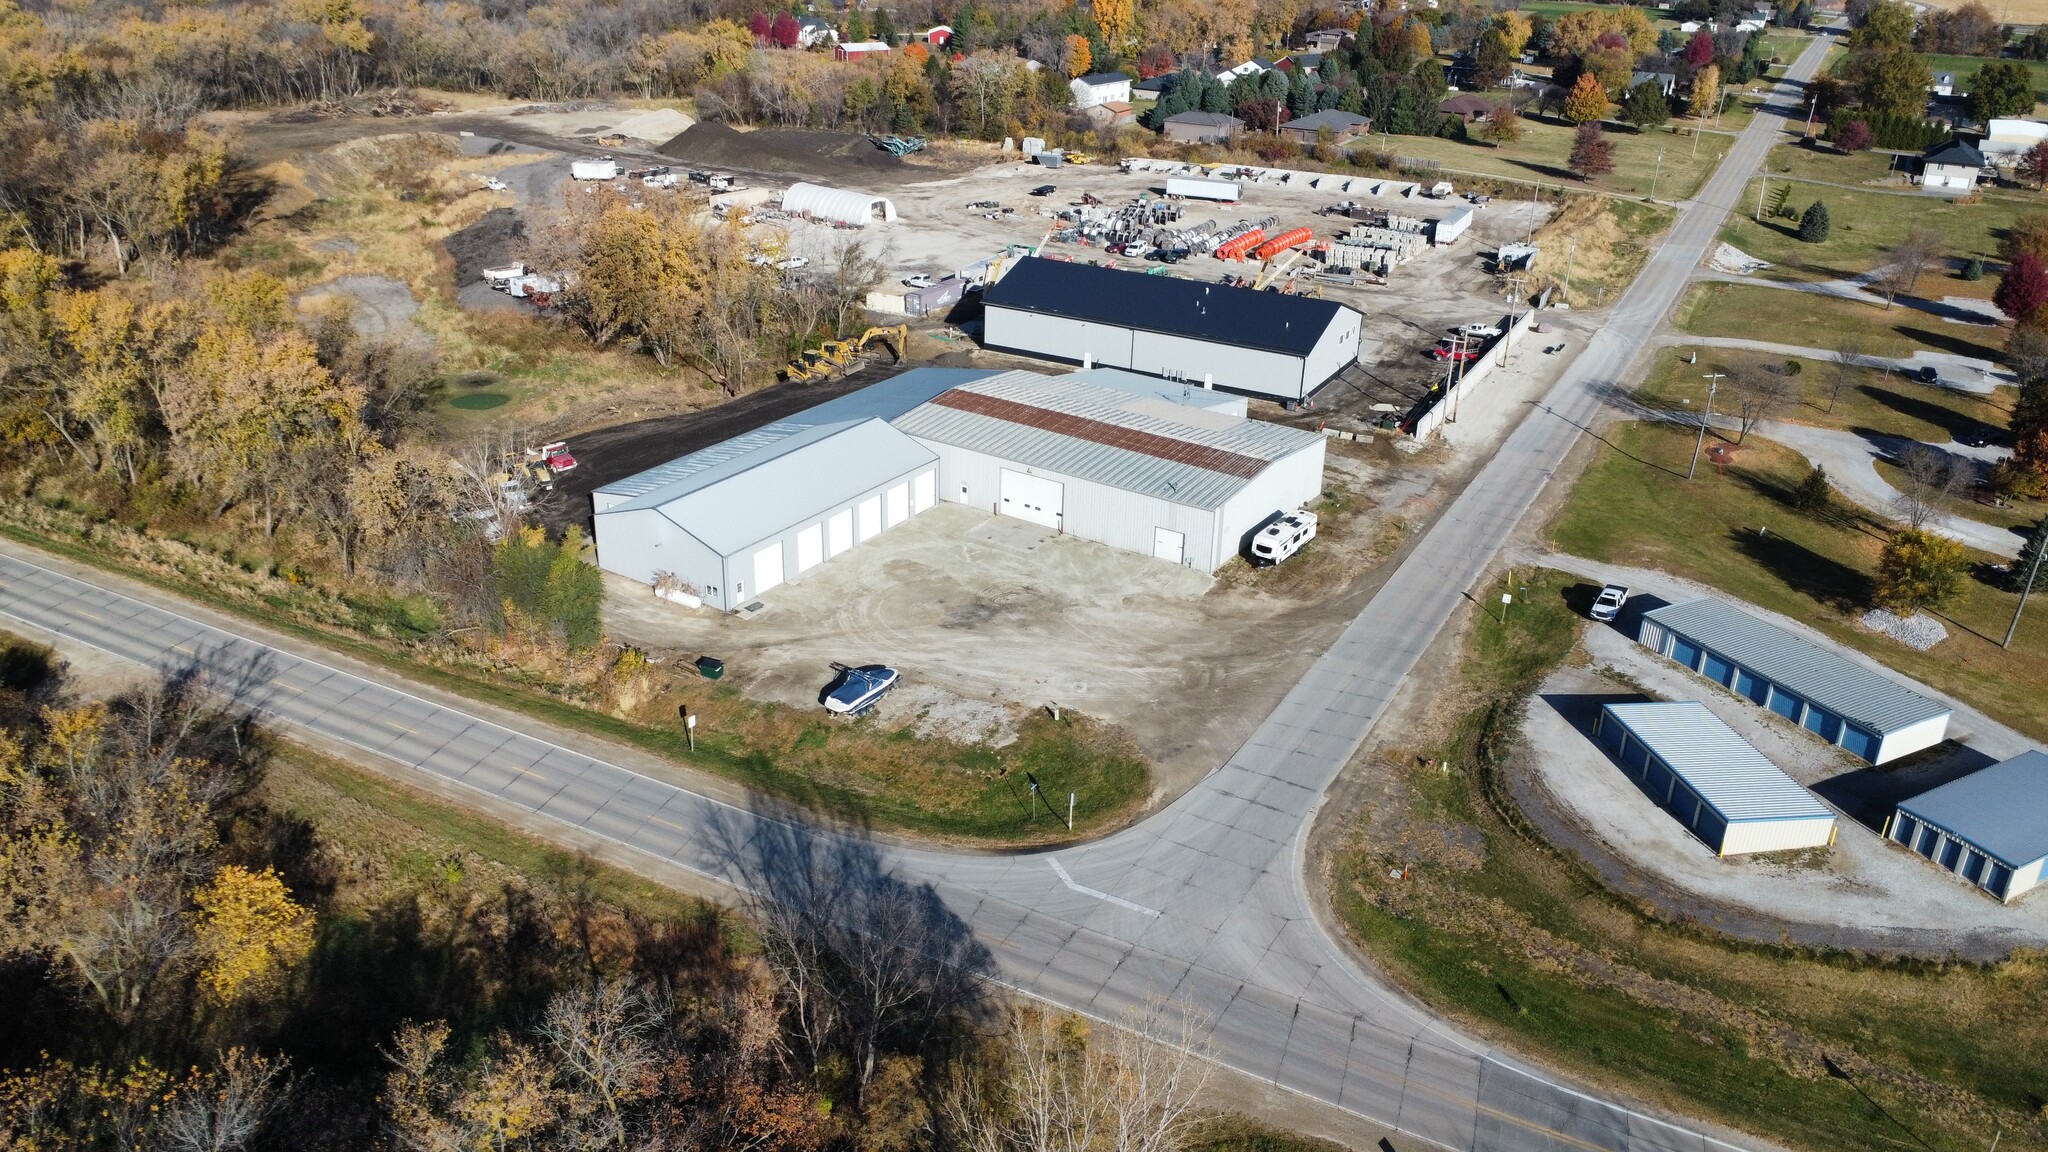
pixel 1282 243
pixel 1235 247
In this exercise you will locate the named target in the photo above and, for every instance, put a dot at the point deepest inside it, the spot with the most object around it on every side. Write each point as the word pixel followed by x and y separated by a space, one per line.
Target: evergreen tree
pixel 1812 493
pixel 1646 106
pixel 1490 60
pixel 1215 97
pixel 1815 225
pixel 1401 113
pixel 1301 95
pixel 2030 571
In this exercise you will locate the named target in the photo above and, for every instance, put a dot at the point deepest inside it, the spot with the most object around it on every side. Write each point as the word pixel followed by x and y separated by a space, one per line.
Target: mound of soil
pixel 492 241
pixel 832 155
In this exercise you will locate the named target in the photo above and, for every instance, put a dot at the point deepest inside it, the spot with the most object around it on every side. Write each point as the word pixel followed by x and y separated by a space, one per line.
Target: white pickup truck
pixel 1608 604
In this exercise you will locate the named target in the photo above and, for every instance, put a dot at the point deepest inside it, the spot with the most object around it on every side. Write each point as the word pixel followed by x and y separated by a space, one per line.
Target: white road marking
pixel 1097 893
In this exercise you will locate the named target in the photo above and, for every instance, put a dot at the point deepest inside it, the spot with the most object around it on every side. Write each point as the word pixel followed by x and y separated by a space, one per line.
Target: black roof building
pixel 1193 309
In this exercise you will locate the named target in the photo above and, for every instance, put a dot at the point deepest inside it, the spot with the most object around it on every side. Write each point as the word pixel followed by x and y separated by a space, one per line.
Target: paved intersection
pixel 1203 902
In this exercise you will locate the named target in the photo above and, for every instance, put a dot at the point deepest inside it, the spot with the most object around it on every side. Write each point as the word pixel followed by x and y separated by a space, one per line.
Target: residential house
pixel 1100 88
pixel 1202 128
pixel 1308 130
pixel 937 36
pixel 1248 68
pixel 1951 167
pixel 1666 82
pixel 1327 39
pixel 859 49
pixel 1152 87
pixel 1945 84
pixel 1302 61
pixel 2005 141
pixel 1470 107
pixel 812 31
pixel 1113 113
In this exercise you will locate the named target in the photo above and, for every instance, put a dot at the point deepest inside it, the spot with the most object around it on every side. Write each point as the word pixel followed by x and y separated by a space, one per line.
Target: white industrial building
pixel 1166 470
pixel 1261 343
pixel 1990 827
pixel 842 205
pixel 1700 770
pixel 1842 702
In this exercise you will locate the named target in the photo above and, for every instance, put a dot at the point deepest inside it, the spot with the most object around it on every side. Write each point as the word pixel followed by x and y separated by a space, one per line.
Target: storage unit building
pixel 838 204
pixel 1143 473
pixel 1990 827
pixel 764 508
pixel 1260 343
pixel 1842 702
pixel 1722 790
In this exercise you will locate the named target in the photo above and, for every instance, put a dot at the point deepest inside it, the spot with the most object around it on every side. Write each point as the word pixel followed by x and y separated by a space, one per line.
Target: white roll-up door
pixel 924 491
pixel 899 504
pixel 870 518
pixel 1168 544
pixel 810 547
pixel 840 529
pixel 1033 498
pixel 767 568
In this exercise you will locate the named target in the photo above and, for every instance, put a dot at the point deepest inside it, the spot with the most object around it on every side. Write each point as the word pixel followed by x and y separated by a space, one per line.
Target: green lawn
pixel 1886 403
pixel 1782 316
pixel 1965 67
pixel 1635 507
pixel 1544 151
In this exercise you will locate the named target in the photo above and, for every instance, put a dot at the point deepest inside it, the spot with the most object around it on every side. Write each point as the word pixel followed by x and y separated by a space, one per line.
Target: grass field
pixel 1544 151
pixel 1871 401
pixel 1965 67
pixel 1781 316
pixel 1635 507
pixel 1866 223
pixel 1491 925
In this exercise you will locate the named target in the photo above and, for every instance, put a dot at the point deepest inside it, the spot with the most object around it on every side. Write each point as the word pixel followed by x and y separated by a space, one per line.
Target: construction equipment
pixel 1275 266
pixel 1079 158
pixel 837 353
pixel 900 145
pixel 897 338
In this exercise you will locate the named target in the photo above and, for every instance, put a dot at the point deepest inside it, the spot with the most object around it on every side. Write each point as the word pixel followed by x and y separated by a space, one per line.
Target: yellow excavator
pixel 896 338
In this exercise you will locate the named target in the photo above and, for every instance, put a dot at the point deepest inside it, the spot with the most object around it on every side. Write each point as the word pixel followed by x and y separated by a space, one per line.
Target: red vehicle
pixel 1453 349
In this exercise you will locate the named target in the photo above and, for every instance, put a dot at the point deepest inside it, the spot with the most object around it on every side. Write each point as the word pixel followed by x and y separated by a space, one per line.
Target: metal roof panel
pixel 1216 313
pixel 1734 778
pixel 2002 809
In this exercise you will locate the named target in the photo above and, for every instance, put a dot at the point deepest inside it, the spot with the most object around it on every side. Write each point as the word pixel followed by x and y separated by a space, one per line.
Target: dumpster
pixel 710 667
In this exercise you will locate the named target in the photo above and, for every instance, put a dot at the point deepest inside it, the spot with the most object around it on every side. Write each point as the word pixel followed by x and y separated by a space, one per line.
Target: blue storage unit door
pixel 1785 704
pixel 1929 839
pixel 1712 828
pixel 1634 757
pixel 1685 652
pixel 1973 867
pixel 2001 878
pixel 1903 827
pixel 1823 724
pixel 1716 669
pixel 1612 733
pixel 1749 684
pixel 1684 805
pixel 1860 742
pixel 1951 854
pixel 1658 782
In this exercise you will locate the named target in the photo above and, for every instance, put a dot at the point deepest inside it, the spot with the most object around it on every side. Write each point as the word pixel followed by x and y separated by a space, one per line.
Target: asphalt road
pixel 1204 902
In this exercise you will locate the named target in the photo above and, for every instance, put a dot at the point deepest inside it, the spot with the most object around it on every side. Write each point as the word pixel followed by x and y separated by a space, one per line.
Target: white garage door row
pixel 843 529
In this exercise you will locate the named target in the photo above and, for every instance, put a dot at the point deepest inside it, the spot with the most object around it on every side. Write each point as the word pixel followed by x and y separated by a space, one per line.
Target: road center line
pixel 1097 893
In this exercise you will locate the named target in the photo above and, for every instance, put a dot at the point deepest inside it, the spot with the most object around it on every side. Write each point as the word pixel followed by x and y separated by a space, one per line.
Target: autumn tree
pixel 1592 152
pixel 2029 424
pixel 250 931
pixel 2033 165
pixel 1705 92
pixel 1919 569
pixel 1503 125
pixel 1118 21
pixel 2023 290
pixel 1586 104
pixel 1078 55
pixel 1853 137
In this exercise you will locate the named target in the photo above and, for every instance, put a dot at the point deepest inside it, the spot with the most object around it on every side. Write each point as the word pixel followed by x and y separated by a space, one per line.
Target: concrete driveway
pixel 1851 460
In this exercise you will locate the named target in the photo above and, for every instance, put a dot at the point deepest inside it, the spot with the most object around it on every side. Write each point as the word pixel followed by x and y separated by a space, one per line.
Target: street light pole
pixel 2033 570
pixel 1810 106
pixel 1762 184
pixel 1656 172
pixel 1713 380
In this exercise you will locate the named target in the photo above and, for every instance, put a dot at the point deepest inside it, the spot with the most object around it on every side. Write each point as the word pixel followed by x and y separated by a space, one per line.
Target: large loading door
pixel 1033 498
pixel 767 568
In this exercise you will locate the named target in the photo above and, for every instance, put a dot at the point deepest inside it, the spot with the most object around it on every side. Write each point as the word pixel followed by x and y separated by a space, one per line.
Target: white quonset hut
pixel 1990 827
pixel 1142 472
pixel 839 204
pixel 1170 472
pixel 741 517
pixel 1842 702
pixel 1261 343
pixel 1723 791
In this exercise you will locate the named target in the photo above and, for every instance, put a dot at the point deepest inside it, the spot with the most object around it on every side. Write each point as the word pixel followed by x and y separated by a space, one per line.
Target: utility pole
pixel 1568 254
pixel 1507 346
pixel 2033 570
pixel 1761 185
pixel 1656 172
pixel 1810 106
pixel 1713 380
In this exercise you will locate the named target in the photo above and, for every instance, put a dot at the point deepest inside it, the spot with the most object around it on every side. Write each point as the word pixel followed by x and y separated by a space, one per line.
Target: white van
pixel 1283 538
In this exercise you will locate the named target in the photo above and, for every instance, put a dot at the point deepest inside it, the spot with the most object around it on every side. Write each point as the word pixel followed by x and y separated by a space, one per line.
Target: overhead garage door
pixel 767 568
pixel 899 504
pixel 924 491
pixel 870 518
pixel 810 548
pixel 1033 498
pixel 1168 545
pixel 840 530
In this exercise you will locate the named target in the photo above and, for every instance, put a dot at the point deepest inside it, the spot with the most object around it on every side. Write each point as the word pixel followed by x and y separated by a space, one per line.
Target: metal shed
pixel 1260 343
pixel 1990 827
pixel 1144 473
pixel 841 204
pixel 1838 700
pixel 1723 790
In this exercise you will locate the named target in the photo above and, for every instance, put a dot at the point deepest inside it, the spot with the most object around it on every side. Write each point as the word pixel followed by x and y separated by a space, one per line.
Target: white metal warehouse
pixel 1842 702
pixel 1177 481
pixel 1176 474
pixel 1261 343
pixel 738 518
pixel 840 204
pixel 1723 790
pixel 1990 827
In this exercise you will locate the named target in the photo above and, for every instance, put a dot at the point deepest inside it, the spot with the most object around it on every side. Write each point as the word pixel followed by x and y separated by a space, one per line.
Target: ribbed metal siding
pixel 2002 809
pixel 1733 778
pixel 1819 677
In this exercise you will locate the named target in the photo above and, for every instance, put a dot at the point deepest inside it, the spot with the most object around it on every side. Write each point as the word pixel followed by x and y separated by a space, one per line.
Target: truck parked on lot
pixel 1197 188
pixel 1608 604
pixel 604 168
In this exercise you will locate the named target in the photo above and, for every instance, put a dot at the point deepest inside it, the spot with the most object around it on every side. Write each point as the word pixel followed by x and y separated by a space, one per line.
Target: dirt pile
pixel 496 239
pixel 389 102
pixel 828 155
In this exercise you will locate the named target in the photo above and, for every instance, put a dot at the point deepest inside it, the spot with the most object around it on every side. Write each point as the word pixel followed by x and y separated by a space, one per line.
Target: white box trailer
pixel 1197 188
pixel 606 169
pixel 1450 226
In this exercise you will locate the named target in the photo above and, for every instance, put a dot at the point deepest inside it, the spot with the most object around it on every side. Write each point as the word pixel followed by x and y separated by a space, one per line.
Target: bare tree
pixel 1907 261
pixel 1066 1088
pixel 604 1043
pixel 226 1112
pixel 1929 481
pixel 1842 368
pixel 1760 393
pixel 856 267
